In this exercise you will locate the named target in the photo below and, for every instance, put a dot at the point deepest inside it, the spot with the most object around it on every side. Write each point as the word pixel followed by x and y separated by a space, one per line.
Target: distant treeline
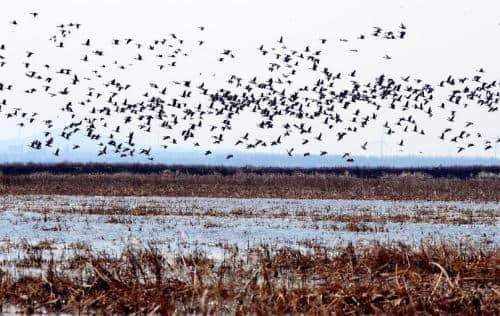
pixel 462 172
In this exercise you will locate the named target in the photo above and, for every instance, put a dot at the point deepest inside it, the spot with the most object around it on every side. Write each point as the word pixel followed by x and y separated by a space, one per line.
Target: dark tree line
pixel 462 172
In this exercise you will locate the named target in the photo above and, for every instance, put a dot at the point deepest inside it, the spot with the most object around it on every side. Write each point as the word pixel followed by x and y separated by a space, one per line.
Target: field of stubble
pixel 258 244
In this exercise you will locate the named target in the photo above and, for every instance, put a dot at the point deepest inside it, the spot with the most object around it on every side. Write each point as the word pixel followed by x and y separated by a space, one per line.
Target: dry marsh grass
pixel 380 279
pixel 247 185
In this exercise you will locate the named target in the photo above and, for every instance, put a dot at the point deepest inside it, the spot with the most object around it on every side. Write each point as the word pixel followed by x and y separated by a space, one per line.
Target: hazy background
pixel 443 38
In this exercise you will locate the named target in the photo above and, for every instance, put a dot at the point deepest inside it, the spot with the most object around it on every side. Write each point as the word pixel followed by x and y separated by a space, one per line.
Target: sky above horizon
pixel 443 38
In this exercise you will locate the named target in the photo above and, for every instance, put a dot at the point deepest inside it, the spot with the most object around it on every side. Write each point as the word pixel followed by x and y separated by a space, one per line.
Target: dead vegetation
pixel 379 279
pixel 248 185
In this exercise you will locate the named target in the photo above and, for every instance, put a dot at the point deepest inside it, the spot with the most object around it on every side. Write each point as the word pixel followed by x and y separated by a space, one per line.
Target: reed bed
pixel 376 279
pixel 250 185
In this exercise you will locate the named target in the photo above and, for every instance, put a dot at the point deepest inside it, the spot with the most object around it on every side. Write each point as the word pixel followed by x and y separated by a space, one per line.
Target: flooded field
pixel 212 224
pixel 77 254
pixel 249 158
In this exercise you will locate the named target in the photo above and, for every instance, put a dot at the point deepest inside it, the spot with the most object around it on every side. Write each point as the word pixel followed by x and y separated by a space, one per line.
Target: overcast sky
pixel 443 38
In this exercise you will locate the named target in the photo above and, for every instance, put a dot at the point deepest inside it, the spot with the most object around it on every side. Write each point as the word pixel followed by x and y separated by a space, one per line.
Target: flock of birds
pixel 333 107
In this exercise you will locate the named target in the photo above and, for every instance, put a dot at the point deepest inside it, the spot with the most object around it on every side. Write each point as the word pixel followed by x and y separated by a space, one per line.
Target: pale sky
pixel 443 38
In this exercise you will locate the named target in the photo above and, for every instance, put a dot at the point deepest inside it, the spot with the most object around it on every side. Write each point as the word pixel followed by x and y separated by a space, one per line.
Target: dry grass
pixel 434 279
pixel 244 185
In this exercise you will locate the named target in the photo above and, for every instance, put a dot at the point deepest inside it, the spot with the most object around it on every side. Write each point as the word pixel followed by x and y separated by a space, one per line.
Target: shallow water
pixel 21 220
